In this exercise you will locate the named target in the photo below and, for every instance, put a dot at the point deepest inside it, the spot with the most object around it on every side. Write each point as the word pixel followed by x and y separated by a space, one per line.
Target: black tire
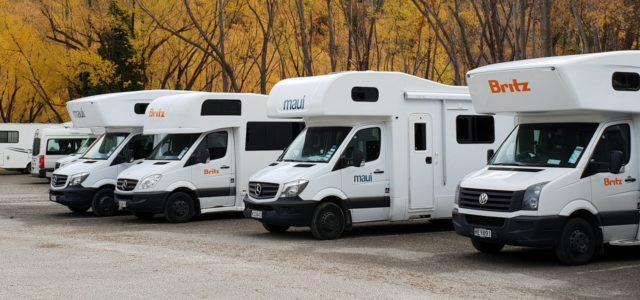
pixel 78 209
pixel 179 208
pixel 577 244
pixel 104 204
pixel 275 228
pixel 27 169
pixel 143 215
pixel 328 221
pixel 487 247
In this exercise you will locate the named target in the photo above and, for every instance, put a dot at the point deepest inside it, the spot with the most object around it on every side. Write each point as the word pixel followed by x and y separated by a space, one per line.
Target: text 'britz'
pixel 293 104
pixel 363 178
pixel 513 87
pixel 156 113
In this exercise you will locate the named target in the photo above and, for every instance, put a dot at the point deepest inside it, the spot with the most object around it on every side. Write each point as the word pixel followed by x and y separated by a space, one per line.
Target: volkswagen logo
pixel 124 184
pixel 258 189
pixel 483 198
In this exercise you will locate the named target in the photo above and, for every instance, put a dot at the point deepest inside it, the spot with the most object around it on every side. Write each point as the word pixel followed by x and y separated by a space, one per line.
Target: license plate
pixel 483 233
pixel 256 214
pixel 122 204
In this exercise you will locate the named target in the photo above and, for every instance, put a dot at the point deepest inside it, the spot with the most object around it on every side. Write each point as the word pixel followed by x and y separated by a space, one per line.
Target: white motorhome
pixel 566 177
pixel 90 181
pixel 16 141
pixel 213 143
pixel 52 144
pixel 379 146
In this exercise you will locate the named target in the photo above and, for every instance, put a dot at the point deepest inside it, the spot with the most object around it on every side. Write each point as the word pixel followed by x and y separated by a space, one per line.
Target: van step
pixel 629 242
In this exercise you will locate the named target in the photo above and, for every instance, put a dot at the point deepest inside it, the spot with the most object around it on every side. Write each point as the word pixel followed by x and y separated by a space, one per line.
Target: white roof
pixel 183 113
pixel 563 83
pixel 113 110
pixel 331 95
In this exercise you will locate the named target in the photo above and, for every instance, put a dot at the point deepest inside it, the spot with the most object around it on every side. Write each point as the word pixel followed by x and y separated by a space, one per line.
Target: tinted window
pixel 142 146
pixel 364 94
pixel 420 136
pixel 9 137
pixel 614 138
pixel 364 144
pixel 623 81
pixel 140 108
pixel 36 146
pixel 221 108
pixel 63 146
pixel 475 130
pixel 216 143
pixel 264 136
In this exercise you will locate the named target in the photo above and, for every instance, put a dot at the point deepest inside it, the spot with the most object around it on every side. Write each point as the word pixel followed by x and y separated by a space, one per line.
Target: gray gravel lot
pixel 48 252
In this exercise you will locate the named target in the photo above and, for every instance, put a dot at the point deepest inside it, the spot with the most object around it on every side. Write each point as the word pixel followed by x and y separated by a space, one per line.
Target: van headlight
pixel 457 195
pixel 149 181
pixel 294 188
pixel 78 179
pixel 532 196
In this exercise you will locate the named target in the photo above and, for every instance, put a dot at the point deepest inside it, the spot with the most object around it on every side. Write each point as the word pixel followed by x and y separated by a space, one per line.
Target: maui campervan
pixel 16 140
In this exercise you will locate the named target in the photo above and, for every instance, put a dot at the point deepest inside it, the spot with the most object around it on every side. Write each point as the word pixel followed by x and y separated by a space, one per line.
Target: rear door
pixel 214 180
pixel 421 151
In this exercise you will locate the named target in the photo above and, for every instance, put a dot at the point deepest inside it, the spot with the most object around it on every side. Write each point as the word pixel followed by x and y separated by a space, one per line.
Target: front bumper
pixel 76 196
pixel 290 211
pixel 152 202
pixel 532 231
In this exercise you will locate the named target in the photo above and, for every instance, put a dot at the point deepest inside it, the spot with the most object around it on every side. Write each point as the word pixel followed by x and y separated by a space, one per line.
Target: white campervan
pixel 90 181
pixel 16 141
pixel 52 144
pixel 379 146
pixel 567 176
pixel 214 142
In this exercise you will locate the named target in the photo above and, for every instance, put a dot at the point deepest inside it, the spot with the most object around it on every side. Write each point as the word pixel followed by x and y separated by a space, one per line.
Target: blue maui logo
pixel 362 178
pixel 294 104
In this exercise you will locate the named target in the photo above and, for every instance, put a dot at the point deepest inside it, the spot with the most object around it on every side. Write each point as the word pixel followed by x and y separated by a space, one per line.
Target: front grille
pixel 124 184
pixel 484 221
pixel 496 200
pixel 57 166
pixel 58 180
pixel 263 190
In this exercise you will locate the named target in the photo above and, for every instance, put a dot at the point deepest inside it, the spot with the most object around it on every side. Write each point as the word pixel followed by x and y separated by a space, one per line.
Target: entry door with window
pixel 364 173
pixel 420 162
pixel 615 195
pixel 214 180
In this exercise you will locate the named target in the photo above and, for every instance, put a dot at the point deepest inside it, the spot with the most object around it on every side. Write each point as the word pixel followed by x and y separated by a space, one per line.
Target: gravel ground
pixel 48 252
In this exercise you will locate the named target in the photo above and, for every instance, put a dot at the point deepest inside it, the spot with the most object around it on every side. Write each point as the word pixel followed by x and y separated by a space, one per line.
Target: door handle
pixel 428 160
pixel 224 167
pixel 630 179
pixel 378 171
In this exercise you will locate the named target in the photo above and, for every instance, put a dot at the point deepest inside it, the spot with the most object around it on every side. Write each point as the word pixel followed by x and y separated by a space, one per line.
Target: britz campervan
pixel 213 143
pixel 52 144
pixel 16 141
pixel 567 176
pixel 90 181
pixel 379 146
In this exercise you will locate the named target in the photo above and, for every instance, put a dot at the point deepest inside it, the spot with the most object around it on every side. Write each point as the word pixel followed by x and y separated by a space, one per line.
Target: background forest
pixel 52 51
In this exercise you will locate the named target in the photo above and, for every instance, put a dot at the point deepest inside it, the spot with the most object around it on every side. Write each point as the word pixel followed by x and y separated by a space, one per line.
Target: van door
pixel 365 178
pixel 615 195
pixel 214 180
pixel 420 162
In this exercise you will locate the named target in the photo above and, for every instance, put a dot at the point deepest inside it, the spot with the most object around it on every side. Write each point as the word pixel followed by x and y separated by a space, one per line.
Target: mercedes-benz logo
pixel 258 189
pixel 483 198
pixel 124 184
pixel 54 178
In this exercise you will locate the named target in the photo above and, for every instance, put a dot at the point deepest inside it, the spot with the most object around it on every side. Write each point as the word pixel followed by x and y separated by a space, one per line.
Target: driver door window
pixel 363 147
pixel 614 138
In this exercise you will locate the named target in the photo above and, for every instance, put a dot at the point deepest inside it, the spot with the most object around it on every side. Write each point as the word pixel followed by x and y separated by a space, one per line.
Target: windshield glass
pixel 85 146
pixel 316 144
pixel 105 146
pixel 174 146
pixel 545 145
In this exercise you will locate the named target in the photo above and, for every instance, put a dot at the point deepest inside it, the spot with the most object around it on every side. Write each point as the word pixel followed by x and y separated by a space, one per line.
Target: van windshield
pixel 174 146
pixel 85 146
pixel 316 144
pixel 545 145
pixel 105 146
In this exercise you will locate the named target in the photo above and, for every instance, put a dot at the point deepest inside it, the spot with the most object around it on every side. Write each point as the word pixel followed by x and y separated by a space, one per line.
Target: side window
pixel 142 145
pixel 63 146
pixel 475 129
pixel 36 146
pixel 420 136
pixel 615 137
pixel 216 143
pixel 10 137
pixel 265 136
pixel 364 145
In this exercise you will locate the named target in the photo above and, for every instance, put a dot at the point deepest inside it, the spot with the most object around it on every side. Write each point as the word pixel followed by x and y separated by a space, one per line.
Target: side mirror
pixel 616 160
pixel 203 156
pixel 490 154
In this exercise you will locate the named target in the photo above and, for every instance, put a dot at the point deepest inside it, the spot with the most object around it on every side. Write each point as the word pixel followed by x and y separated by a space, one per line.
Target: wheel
pixel 143 215
pixel 328 221
pixel 104 204
pixel 27 169
pixel 577 243
pixel 179 208
pixel 78 209
pixel 486 247
pixel 275 228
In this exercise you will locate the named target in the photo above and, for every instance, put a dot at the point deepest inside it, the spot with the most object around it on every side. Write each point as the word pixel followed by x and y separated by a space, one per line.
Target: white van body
pixel 556 181
pixel 16 141
pixel 180 179
pixel 380 146
pixel 89 182
pixel 52 144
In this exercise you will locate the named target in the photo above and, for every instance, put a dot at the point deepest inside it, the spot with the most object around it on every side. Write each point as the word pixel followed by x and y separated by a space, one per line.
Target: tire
pixel 275 228
pixel 27 169
pixel 104 204
pixel 328 221
pixel 78 209
pixel 487 247
pixel 577 244
pixel 179 208
pixel 143 215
